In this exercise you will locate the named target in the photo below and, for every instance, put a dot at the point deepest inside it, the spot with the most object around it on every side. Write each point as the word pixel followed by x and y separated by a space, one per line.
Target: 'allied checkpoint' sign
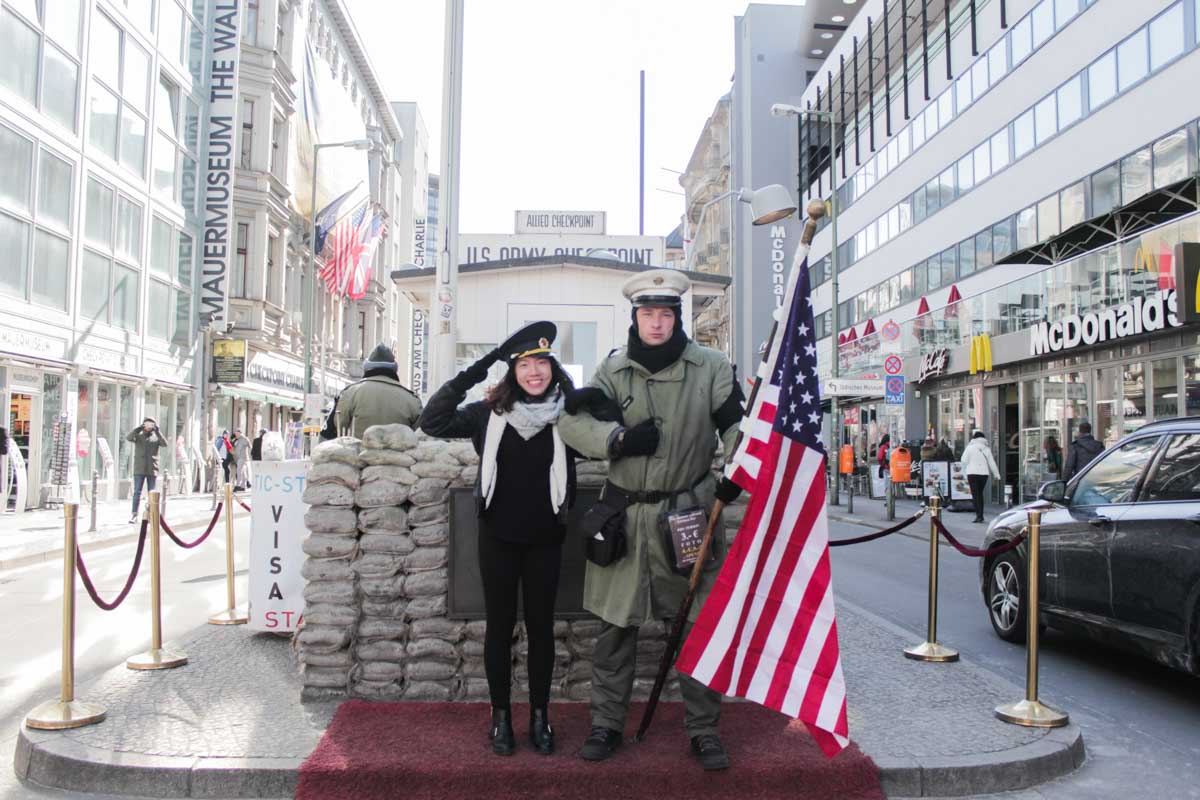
pixel 276 533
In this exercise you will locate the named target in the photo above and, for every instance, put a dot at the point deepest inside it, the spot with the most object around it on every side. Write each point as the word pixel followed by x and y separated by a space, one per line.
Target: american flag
pixel 767 630
pixel 342 247
pixel 360 271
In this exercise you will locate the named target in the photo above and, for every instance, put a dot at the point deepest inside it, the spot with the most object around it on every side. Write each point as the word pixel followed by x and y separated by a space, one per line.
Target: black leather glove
pixel 727 491
pixel 595 402
pixel 476 373
pixel 640 440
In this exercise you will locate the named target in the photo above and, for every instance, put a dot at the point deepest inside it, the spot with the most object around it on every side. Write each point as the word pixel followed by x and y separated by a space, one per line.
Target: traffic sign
pixel 852 387
pixel 893 365
pixel 894 390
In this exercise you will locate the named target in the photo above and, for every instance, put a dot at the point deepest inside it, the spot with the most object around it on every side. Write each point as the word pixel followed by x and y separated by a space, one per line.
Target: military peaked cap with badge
pixel 532 340
pixel 656 287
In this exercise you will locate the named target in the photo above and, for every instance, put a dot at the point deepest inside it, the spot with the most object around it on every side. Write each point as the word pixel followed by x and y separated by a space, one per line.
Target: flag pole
pixel 816 210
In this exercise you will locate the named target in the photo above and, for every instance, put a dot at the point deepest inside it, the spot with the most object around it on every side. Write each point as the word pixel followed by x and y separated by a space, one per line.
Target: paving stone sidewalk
pixel 230 724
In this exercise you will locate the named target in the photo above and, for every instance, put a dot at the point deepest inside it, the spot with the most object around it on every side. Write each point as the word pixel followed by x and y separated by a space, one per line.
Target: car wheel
pixel 1006 597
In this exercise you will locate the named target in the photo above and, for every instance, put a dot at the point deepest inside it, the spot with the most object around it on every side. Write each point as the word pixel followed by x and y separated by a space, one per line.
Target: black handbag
pixel 603 527
pixel 682 532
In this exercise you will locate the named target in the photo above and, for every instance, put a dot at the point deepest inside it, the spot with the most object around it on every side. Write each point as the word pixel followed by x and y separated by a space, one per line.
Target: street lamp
pixel 768 204
pixel 310 288
pixel 835 427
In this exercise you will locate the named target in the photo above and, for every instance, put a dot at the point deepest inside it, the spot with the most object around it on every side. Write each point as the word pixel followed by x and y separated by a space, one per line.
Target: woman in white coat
pixel 978 463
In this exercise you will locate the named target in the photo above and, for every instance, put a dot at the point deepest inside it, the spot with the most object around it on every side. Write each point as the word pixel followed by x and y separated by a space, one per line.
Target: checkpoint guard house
pixel 559 266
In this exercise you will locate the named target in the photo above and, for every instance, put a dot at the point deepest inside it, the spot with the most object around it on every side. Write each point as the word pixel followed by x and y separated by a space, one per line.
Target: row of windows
pixel 1144 52
pixel 1163 162
pixel 1023 39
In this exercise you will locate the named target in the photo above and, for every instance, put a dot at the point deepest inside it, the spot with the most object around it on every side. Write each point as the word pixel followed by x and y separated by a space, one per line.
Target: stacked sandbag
pixel 330 595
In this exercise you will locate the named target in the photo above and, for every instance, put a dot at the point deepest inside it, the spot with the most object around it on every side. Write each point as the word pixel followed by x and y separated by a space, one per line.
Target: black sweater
pixel 520 510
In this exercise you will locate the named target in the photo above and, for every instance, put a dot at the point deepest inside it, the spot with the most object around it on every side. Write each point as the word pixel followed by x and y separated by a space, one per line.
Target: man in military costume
pixel 676 398
pixel 378 399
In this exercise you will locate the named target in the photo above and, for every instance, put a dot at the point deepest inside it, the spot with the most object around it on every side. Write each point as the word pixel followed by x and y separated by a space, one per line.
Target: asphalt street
pixel 1140 721
pixel 193 584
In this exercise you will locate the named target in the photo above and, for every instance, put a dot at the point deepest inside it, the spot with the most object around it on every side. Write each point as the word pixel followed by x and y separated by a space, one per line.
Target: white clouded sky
pixel 550 97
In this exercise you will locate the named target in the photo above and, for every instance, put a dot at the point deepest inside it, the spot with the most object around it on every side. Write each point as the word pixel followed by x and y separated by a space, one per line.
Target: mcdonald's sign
pixel 1187 282
pixel 981 353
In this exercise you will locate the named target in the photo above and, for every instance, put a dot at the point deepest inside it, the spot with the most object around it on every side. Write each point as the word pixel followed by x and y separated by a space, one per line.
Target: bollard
pixel 66 711
pixel 95 479
pixel 1031 712
pixel 850 493
pixel 157 657
pixel 231 615
pixel 930 650
pixel 891 500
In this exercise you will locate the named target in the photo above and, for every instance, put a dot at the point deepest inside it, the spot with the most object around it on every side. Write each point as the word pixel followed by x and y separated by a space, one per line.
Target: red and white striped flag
pixel 767 631
pixel 342 246
pixel 359 273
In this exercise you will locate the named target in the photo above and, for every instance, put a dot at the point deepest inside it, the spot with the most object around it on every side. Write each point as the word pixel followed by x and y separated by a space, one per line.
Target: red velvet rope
pixel 976 552
pixel 879 534
pixel 243 505
pixel 87 580
pixel 212 523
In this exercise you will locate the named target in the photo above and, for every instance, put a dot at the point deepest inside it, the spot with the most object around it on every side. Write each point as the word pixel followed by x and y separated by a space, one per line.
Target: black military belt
pixel 654 496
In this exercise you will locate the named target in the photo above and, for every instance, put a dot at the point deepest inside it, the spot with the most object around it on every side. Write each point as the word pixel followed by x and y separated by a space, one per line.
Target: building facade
pixel 1011 184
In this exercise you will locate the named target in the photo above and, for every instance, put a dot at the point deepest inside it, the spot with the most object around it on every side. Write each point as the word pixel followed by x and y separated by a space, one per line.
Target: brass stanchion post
pixel 157 657
pixel 66 712
pixel 232 615
pixel 930 650
pixel 1031 712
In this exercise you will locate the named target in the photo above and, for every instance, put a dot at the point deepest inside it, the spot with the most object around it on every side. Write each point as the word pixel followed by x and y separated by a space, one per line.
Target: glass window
pixel 1002 239
pixel 1070 101
pixel 93 286
pixel 1166 37
pixel 19 67
pixel 1131 60
pixel 1177 475
pixel 160 310
pixel 125 298
pixel 187 181
pixel 917 126
pixel 979 78
pixel 14 242
pixel 63 24
pixel 949 266
pixel 164 166
pixel 983 162
pixel 60 78
pixel 931 120
pixel 1021 39
pixel 98 213
pixel 1191 381
pixel 1027 228
pixel 1106 190
pixel 1170 159
pixel 983 249
pixel 1108 397
pixel 1166 388
pixel 1114 478
pixel 136 75
pixel 133 142
pixel 1047 216
pixel 946 186
pixel 51 266
pixel 129 230
pixel 1045 119
pixel 962 92
pixel 184 274
pixel 1135 175
pixel 1064 11
pixel 166 109
pixel 54 191
pixel 966 173
pixel 1043 22
pixel 170 30
pixel 997 61
pixel 191 125
pixel 1073 203
pixel 921 278
pixel 16 169
pixel 161 239
pixel 918 205
pixel 1102 79
pixel 102 113
pixel 933 197
pixel 945 109
pixel 1133 386
pixel 999 148
pixel 966 257
pixel 105 62
pixel 1023 134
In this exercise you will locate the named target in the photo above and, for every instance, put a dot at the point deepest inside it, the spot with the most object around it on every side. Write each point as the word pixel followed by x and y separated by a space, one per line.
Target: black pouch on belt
pixel 682 531
pixel 603 527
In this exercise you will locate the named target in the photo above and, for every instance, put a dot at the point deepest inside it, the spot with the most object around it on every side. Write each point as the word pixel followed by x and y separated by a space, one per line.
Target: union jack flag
pixel 360 272
pixel 767 631
pixel 343 246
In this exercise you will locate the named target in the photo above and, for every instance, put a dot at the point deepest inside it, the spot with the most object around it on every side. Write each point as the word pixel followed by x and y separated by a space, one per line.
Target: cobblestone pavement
pixel 237 700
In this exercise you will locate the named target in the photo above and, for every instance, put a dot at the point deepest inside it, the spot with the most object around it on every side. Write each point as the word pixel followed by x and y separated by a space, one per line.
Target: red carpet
pixel 423 751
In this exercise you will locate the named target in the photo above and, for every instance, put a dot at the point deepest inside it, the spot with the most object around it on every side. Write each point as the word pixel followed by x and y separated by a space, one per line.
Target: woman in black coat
pixel 526 484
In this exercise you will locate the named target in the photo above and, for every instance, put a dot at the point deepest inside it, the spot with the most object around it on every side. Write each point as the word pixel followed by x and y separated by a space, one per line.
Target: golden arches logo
pixel 1144 260
pixel 981 354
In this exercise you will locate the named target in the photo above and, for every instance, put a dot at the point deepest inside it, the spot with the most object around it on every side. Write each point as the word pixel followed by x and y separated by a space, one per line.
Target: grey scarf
pixel 528 419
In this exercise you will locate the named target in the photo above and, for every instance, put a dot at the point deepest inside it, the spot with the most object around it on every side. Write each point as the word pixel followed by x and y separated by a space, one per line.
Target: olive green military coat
pixel 377 400
pixel 682 397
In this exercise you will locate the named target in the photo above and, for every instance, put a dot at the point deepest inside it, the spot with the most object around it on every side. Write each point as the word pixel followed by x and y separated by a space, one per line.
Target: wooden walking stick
pixel 816 210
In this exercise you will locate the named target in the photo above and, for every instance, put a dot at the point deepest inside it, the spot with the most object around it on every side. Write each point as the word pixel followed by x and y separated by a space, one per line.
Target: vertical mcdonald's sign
pixel 1187 282
pixel 981 353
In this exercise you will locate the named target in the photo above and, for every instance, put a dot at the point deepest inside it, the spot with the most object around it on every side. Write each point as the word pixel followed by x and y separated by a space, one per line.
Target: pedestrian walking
pixel 677 398
pixel 883 453
pixel 978 463
pixel 241 459
pixel 1081 451
pixel 378 399
pixel 225 453
pixel 256 446
pixel 927 449
pixel 1054 456
pixel 147 441
pixel 525 485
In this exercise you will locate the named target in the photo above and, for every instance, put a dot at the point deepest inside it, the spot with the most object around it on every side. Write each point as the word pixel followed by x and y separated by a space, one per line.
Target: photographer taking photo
pixel 147 440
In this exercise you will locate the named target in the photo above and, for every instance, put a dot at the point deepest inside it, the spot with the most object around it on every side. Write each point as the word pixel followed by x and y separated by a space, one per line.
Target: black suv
pixel 1120 549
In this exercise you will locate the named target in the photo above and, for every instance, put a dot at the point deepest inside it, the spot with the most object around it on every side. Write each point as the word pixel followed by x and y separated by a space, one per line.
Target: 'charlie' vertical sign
pixel 220 145
pixel 277 532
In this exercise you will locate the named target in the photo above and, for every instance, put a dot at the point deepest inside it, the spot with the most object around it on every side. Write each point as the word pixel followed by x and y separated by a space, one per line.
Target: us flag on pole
pixel 342 247
pixel 767 631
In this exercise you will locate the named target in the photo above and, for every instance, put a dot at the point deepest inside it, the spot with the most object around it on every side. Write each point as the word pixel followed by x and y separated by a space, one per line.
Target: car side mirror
pixel 1053 491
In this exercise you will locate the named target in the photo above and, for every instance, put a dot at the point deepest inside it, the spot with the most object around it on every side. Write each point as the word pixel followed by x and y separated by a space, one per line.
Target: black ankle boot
pixel 503 741
pixel 541 735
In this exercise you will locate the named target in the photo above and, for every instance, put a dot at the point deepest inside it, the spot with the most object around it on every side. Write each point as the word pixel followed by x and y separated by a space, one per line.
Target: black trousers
pixel 977 483
pixel 533 568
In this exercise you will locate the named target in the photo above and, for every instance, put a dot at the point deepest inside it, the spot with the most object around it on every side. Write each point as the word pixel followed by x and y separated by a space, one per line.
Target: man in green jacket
pixel 677 399
pixel 147 440
pixel 378 399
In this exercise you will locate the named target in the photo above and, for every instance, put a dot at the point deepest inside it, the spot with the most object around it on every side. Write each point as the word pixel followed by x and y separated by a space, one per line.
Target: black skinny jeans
pixel 534 567
pixel 977 483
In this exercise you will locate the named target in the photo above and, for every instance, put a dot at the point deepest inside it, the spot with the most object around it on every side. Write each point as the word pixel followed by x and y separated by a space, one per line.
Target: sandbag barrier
pixel 91 588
